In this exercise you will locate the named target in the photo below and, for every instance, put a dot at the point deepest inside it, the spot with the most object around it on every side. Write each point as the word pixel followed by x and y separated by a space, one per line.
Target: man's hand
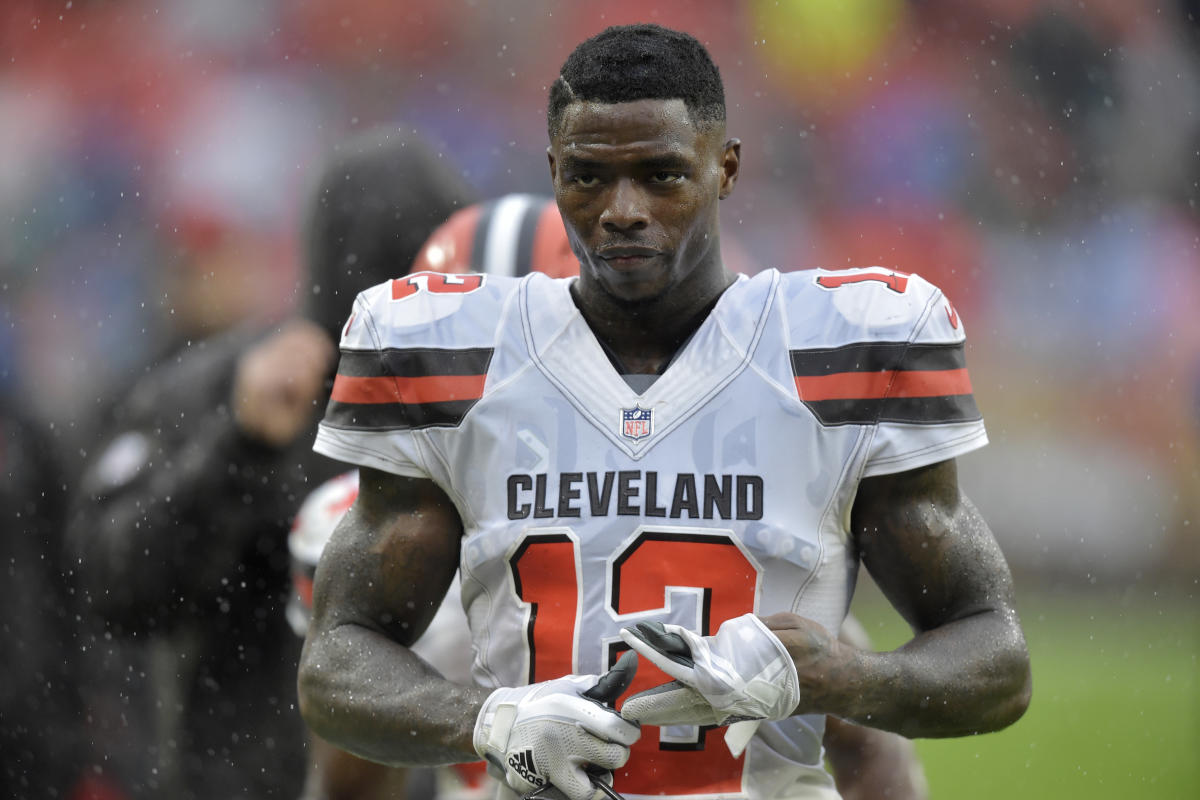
pixel 279 382
pixel 552 732
pixel 741 673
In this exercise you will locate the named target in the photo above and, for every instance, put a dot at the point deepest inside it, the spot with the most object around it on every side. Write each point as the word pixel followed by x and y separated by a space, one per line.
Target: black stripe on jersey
pixel 529 223
pixel 397 416
pixel 479 239
pixel 939 410
pixel 414 362
pixel 837 386
pixel 446 401
pixel 877 357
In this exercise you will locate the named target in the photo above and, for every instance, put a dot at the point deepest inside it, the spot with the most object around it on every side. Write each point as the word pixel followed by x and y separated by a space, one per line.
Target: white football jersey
pixel 724 488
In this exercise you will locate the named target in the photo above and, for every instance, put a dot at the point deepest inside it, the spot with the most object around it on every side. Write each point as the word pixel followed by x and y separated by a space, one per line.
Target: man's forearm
pixel 372 697
pixel 935 559
pixel 968 676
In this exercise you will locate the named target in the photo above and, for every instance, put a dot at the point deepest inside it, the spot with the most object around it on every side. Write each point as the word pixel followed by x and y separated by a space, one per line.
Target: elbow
pixel 304 692
pixel 1019 700
pixel 309 685
pixel 1015 691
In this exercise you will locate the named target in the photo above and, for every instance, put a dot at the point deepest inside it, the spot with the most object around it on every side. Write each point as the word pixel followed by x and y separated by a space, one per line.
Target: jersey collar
pixel 565 350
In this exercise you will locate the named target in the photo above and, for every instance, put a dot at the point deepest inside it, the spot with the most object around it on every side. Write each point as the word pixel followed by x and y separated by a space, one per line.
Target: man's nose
pixel 626 208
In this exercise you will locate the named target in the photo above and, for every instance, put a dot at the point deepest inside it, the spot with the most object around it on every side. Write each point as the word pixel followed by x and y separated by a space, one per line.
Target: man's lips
pixel 627 256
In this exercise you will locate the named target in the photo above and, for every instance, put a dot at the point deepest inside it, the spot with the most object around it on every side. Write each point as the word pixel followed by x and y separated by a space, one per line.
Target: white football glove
pixel 740 674
pixel 558 732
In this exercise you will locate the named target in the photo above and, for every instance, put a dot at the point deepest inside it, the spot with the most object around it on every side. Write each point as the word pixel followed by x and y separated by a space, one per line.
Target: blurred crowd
pixel 1037 159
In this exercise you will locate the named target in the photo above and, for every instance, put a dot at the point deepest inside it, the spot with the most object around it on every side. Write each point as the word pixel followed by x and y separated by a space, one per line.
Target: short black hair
pixel 640 62
pixel 380 196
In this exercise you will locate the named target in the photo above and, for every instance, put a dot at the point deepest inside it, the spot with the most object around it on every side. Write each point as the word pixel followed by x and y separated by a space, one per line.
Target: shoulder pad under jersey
pixel 828 308
pixel 428 309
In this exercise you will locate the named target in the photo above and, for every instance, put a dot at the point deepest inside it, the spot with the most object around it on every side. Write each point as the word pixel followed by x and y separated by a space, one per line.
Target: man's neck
pixel 645 336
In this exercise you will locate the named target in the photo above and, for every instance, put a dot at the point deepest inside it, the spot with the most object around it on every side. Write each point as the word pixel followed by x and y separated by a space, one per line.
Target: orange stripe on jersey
pixel 863 383
pixel 348 389
pixel 407 388
pixel 425 389
pixel 931 383
pixel 884 383
pixel 441 388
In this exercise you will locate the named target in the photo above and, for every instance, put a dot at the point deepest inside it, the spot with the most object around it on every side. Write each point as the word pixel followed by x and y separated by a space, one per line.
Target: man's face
pixel 638 185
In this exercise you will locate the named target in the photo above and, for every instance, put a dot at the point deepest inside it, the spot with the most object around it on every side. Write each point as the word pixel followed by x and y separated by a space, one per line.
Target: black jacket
pixel 180 533
pixel 39 704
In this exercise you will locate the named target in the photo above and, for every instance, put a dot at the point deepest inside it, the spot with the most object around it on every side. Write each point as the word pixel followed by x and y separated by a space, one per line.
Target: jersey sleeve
pixel 926 410
pixel 884 350
pixel 414 358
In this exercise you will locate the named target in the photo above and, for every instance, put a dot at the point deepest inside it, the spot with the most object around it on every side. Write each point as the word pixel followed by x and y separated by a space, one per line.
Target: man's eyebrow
pixel 657 163
pixel 669 161
pixel 576 162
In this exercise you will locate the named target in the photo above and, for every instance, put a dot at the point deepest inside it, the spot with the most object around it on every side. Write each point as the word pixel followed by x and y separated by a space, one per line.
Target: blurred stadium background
pixel 1038 159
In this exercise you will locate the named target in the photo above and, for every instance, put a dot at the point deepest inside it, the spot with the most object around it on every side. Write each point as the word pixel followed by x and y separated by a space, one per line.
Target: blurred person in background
pixel 179 528
pixel 40 753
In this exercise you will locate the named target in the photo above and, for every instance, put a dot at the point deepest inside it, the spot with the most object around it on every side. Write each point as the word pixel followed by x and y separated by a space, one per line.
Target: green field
pixel 1116 700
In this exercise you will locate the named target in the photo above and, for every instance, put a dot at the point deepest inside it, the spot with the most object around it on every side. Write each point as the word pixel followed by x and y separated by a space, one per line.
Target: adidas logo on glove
pixel 522 763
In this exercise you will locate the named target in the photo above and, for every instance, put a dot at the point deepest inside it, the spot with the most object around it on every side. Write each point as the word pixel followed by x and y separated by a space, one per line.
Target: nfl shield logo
pixel 636 422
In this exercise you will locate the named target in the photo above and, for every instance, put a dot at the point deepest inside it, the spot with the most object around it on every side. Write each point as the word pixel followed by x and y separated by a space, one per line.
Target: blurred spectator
pixel 180 526
pixel 39 705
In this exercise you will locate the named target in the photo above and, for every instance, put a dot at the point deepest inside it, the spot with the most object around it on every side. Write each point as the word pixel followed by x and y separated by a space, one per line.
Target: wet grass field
pixel 1116 703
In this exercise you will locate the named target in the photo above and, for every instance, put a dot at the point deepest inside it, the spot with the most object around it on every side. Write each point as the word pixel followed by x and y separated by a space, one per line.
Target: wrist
pixel 490 735
pixel 843 683
pixel 826 668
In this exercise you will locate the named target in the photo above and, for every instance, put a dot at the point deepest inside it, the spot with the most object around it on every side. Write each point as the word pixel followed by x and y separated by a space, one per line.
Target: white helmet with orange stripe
pixel 511 235
pixel 447 637
pixel 319 514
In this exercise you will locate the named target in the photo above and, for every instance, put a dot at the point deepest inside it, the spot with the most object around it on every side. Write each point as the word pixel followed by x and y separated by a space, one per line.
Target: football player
pixel 659 456
pixel 513 235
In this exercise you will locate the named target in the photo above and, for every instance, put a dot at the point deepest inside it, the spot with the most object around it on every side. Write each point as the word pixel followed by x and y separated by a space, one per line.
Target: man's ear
pixel 731 162
pixel 553 164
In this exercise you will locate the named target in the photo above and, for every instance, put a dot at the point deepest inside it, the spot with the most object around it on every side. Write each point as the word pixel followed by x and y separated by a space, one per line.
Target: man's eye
pixel 666 177
pixel 585 180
